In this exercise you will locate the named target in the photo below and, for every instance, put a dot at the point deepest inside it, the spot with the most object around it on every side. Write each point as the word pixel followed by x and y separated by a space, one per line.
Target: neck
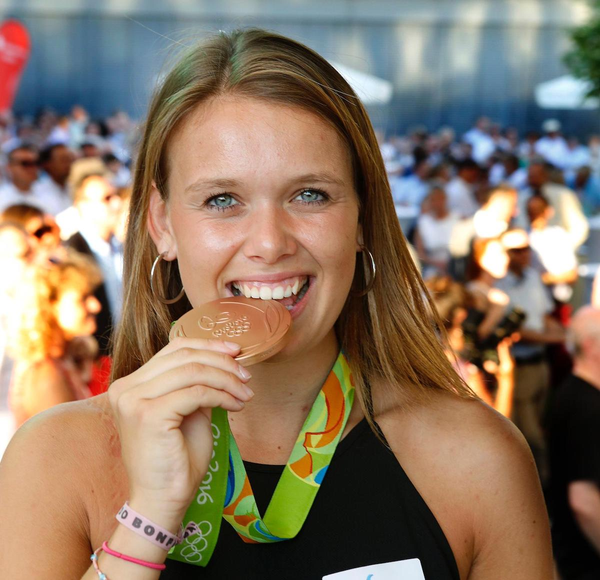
pixel 588 372
pixel 22 187
pixel 285 389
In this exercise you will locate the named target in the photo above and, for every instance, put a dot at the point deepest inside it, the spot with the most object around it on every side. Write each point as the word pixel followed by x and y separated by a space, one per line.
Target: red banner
pixel 15 47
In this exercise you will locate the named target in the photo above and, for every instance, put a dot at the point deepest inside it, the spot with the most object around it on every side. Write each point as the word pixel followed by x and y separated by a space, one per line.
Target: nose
pixel 270 236
pixel 93 305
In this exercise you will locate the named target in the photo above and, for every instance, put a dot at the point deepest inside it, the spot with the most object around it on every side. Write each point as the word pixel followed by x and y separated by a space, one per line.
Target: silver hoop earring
pixel 160 298
pixel 373 272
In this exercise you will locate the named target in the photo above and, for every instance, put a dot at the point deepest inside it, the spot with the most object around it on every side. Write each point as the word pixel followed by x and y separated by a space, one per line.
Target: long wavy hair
pixel 387 334
pixel 38 334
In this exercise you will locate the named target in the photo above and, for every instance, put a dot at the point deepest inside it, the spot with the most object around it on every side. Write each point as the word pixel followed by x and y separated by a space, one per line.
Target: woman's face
pixel 75 310
pixel 261 203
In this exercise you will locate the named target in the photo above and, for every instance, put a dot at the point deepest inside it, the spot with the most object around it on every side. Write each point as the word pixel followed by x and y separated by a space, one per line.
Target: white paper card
pixel 401 570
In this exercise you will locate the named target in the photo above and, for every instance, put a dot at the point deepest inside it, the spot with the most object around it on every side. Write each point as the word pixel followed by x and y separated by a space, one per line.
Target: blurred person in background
pixel 578 155
pixel 552 246
pixel 568 212
pixel 498 209
pixel 523 285
pixel 56 161
pixel 121 174
pixel 98 205
pixel 488 263
pixel 453 302
pixel 44 234
pixel 587 187
pixel 574 493
pixel 463 187
pixel 552 147
pixel 480 140
pixel 15 257
pixel 508 170
pixel 22 185
pixel 412 189
pixel 53 349
pixel 432 235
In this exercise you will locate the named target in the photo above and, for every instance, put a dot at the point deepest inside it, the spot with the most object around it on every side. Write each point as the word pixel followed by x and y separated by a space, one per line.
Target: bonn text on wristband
pixel 142 526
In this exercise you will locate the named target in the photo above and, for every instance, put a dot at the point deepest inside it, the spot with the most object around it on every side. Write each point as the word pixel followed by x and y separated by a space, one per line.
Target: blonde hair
pixel 38 334
pixel 386 335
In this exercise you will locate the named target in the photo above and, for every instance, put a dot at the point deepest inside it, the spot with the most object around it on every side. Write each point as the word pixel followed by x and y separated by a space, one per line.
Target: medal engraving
pixel 260 327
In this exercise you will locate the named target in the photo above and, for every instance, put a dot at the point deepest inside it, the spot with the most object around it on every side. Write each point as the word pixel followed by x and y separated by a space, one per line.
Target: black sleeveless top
pixel 367 512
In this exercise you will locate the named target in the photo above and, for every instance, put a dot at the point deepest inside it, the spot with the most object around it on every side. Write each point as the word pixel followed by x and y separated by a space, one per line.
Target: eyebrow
pixel 221 183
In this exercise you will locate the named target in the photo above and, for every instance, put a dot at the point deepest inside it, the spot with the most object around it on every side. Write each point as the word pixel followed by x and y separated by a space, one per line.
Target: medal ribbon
pixel 225 492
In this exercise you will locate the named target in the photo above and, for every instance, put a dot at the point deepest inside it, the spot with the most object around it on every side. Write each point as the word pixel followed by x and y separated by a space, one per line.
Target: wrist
pixel 160 513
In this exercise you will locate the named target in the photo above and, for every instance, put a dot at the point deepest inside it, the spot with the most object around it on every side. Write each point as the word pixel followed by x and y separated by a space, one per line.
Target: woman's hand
pixel 163 413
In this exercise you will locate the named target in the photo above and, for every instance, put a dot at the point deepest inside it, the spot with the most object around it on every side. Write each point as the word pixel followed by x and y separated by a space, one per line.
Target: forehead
pixel 23 154
pixel 243 138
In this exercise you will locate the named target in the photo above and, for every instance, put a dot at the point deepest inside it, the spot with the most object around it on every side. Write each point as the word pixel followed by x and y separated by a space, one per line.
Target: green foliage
pixel 584 58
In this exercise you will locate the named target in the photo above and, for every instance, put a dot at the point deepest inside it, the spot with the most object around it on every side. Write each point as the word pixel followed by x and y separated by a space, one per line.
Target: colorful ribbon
pixel 226 482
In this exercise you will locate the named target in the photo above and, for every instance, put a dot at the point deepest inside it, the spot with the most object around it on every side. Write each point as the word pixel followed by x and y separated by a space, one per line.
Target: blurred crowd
pixel 501 225
pixel 64 193
pixel 498 222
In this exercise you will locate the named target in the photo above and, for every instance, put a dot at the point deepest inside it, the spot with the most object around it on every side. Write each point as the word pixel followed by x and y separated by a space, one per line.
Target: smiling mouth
pixel 288 293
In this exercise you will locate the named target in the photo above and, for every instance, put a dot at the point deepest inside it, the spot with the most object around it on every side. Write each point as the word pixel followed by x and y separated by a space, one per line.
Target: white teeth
pixel 268 292
pixel 265 293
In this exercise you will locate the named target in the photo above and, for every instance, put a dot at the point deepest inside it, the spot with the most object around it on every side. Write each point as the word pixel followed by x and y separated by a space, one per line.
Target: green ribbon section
pixel 225 492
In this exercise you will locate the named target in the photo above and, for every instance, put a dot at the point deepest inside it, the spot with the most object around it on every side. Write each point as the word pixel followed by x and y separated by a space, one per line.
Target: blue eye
pixel 312 196
pixel 222 201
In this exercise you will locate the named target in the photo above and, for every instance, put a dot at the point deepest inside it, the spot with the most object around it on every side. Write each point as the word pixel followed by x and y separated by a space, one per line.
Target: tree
pixel 584 58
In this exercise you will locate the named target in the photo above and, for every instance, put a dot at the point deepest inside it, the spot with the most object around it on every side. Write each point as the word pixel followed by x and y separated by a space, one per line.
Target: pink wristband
pixel 152 565
pixel 142 526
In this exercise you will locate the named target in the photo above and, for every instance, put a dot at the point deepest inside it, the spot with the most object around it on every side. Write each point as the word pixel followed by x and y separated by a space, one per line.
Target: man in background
pixel 56 161
pixel 98 204
pixel 22 185
pixel 523 285
pixel 574 495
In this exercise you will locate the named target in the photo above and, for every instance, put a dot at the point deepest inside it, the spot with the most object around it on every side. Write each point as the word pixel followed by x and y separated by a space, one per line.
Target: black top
pixel 574 456
pixel 366 512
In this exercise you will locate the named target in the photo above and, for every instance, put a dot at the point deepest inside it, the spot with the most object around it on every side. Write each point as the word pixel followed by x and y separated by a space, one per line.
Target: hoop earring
pixel 156 294
pixel 372 268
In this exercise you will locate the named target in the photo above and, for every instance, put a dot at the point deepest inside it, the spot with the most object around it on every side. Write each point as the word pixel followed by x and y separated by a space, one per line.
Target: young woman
pixel 53 347
pixel 259 168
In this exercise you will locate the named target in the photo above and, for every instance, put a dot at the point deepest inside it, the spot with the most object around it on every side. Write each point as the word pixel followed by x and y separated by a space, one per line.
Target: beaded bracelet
pixel 94 559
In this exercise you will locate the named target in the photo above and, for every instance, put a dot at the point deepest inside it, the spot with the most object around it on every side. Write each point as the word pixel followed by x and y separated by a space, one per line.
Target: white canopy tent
pixel 370 89
pixel 566 92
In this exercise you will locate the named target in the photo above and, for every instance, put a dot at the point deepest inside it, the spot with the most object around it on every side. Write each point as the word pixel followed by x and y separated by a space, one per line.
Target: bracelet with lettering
pixel 142 526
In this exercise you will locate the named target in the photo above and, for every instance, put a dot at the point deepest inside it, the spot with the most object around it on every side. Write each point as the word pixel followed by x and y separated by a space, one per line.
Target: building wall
pixel 449 60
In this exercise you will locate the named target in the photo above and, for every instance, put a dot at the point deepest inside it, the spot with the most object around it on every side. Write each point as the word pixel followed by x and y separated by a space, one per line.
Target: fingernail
pixel 241 403
pixel 248 390
pixel 244 373
pixel 232 345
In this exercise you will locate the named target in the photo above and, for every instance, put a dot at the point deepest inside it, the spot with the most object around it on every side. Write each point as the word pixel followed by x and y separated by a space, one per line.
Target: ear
pixel 359 238
pixel 159 225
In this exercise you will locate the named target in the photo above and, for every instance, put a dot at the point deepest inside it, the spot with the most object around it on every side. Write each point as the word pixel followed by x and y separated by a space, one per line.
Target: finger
pixel 231 348
pixel 184 402
pixel 186 355
pixel 186 375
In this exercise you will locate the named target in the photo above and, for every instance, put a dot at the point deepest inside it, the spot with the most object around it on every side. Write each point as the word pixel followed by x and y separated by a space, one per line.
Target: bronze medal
pixel 258 326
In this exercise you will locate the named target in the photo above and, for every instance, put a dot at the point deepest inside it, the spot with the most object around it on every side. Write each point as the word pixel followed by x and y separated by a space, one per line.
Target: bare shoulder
pixel 54 477
pixel 476 473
